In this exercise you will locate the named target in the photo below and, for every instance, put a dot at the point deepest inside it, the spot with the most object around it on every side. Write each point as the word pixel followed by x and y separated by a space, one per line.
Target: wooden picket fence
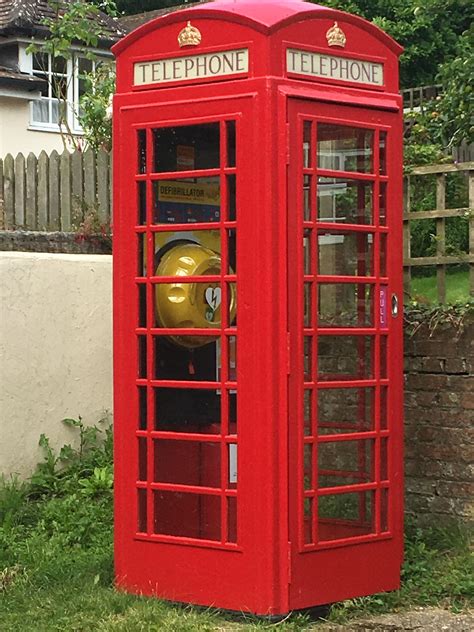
pixel 55 192
pixel 440 214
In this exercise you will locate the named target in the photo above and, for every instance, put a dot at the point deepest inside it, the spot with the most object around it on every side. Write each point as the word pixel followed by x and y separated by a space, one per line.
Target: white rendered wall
pixel 15 137
pixel 55 350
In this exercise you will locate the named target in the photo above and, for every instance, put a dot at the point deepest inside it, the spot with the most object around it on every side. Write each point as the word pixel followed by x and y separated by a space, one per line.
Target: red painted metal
pixel 187 527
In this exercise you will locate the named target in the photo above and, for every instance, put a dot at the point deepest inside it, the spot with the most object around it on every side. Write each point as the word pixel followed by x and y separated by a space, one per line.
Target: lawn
pixel 424 288
pixel 56 568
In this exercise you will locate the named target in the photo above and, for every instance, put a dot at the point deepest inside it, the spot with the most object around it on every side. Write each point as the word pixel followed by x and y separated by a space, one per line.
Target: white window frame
pixel 26 65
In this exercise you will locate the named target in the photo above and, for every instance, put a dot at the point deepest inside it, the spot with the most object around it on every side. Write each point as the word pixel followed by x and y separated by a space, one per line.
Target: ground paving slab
pixel 425 619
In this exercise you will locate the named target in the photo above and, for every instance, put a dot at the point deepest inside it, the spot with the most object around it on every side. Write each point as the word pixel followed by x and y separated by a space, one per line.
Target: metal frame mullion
pixel 224 425
pixel 377 375
pixel 314 325
pixel 150 245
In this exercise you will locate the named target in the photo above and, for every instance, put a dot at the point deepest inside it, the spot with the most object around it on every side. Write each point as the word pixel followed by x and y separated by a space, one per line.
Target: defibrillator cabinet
pixel 257 307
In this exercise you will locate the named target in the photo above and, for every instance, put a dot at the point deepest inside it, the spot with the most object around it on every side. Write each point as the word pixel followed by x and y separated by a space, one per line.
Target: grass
pixel 424 288
pixel 56 569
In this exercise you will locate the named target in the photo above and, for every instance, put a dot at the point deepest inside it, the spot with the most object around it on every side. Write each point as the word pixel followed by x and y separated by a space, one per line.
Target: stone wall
pixel 439 428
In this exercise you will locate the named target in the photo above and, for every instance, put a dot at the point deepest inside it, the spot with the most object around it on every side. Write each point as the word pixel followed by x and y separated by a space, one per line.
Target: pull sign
pixel 383 306
pixel 192 67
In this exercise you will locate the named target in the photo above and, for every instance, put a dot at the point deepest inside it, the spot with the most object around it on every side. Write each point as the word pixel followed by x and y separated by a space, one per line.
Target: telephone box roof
pixel 265 16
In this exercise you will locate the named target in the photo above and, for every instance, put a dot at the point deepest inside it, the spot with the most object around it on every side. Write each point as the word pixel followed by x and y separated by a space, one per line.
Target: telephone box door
pixel 186 508
pixel 345 289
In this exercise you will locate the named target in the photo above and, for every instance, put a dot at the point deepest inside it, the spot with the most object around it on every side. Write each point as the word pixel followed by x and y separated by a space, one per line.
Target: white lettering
pixel 220 64
pixel 339 68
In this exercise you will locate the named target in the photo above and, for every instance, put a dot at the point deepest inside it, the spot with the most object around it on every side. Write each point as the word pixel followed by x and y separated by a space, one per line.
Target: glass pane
pixel 231 251
pixel 345 254
pixel 142 357
pixel 345 305
pixel 231 198
pixel 231 146
pixel 308 411
pixel 187 463
pixel 191 305
pixel 185 361
pixel 142 305
pixel 383 204
pixel 84 65
pixel 188 410
pixel 142 511
pixel 187 515
pixel 344 410
pixel 383 357
pixel 141 203
pixel 345 357
pixel 141 142
pixel 307 358
pixel 54 105
pixel 187 253
pixel 232 477
pixel 307 304
pixel 59 65
pixel 141 250
pixel 232 358
pixel 308 519
pixel 307 150
pixel 308 466
pixel 384 510
pixel 384 408
pixel 383 153
pixel 186 202
pixel 142 407
pixel 41 111
pixel 41 62
pixel 345 463
pixel 307 250
pixel 345 201
pixel 142 459
pixel 384 464
pixel 231 519
pixel 187 148
pixel 383 255
pixel 307 198
pixel 345 515
pixel 59 88
pixel 344 148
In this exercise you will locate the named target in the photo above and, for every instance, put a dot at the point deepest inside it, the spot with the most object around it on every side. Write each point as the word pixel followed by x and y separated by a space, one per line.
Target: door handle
pixel 394 305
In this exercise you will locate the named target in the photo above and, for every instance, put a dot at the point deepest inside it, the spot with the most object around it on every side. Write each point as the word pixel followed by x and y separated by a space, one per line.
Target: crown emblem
pixel 189 36
pixel 336 36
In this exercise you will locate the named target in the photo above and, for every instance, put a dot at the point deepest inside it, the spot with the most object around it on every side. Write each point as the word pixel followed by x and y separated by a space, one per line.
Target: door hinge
pixel 288 353
pixel 289 562
pixel 287 143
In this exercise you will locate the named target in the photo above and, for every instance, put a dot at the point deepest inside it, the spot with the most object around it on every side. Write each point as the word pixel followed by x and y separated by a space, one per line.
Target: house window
pixel 65 85
pixel 82 67
pixel 46 109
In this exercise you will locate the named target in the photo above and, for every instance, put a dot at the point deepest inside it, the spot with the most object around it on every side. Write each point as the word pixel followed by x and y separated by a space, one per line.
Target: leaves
pixel 428 30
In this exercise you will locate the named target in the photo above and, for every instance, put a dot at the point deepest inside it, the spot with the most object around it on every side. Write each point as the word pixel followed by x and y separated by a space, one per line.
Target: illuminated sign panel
pixel 209 66
pixel 303 62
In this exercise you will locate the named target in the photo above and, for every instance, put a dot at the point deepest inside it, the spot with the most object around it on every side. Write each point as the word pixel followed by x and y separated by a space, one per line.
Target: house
pixel 29 83
pixel 131 22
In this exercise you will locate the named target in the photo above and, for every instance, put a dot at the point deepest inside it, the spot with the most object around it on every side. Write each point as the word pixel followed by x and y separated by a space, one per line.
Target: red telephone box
pixel 257 299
